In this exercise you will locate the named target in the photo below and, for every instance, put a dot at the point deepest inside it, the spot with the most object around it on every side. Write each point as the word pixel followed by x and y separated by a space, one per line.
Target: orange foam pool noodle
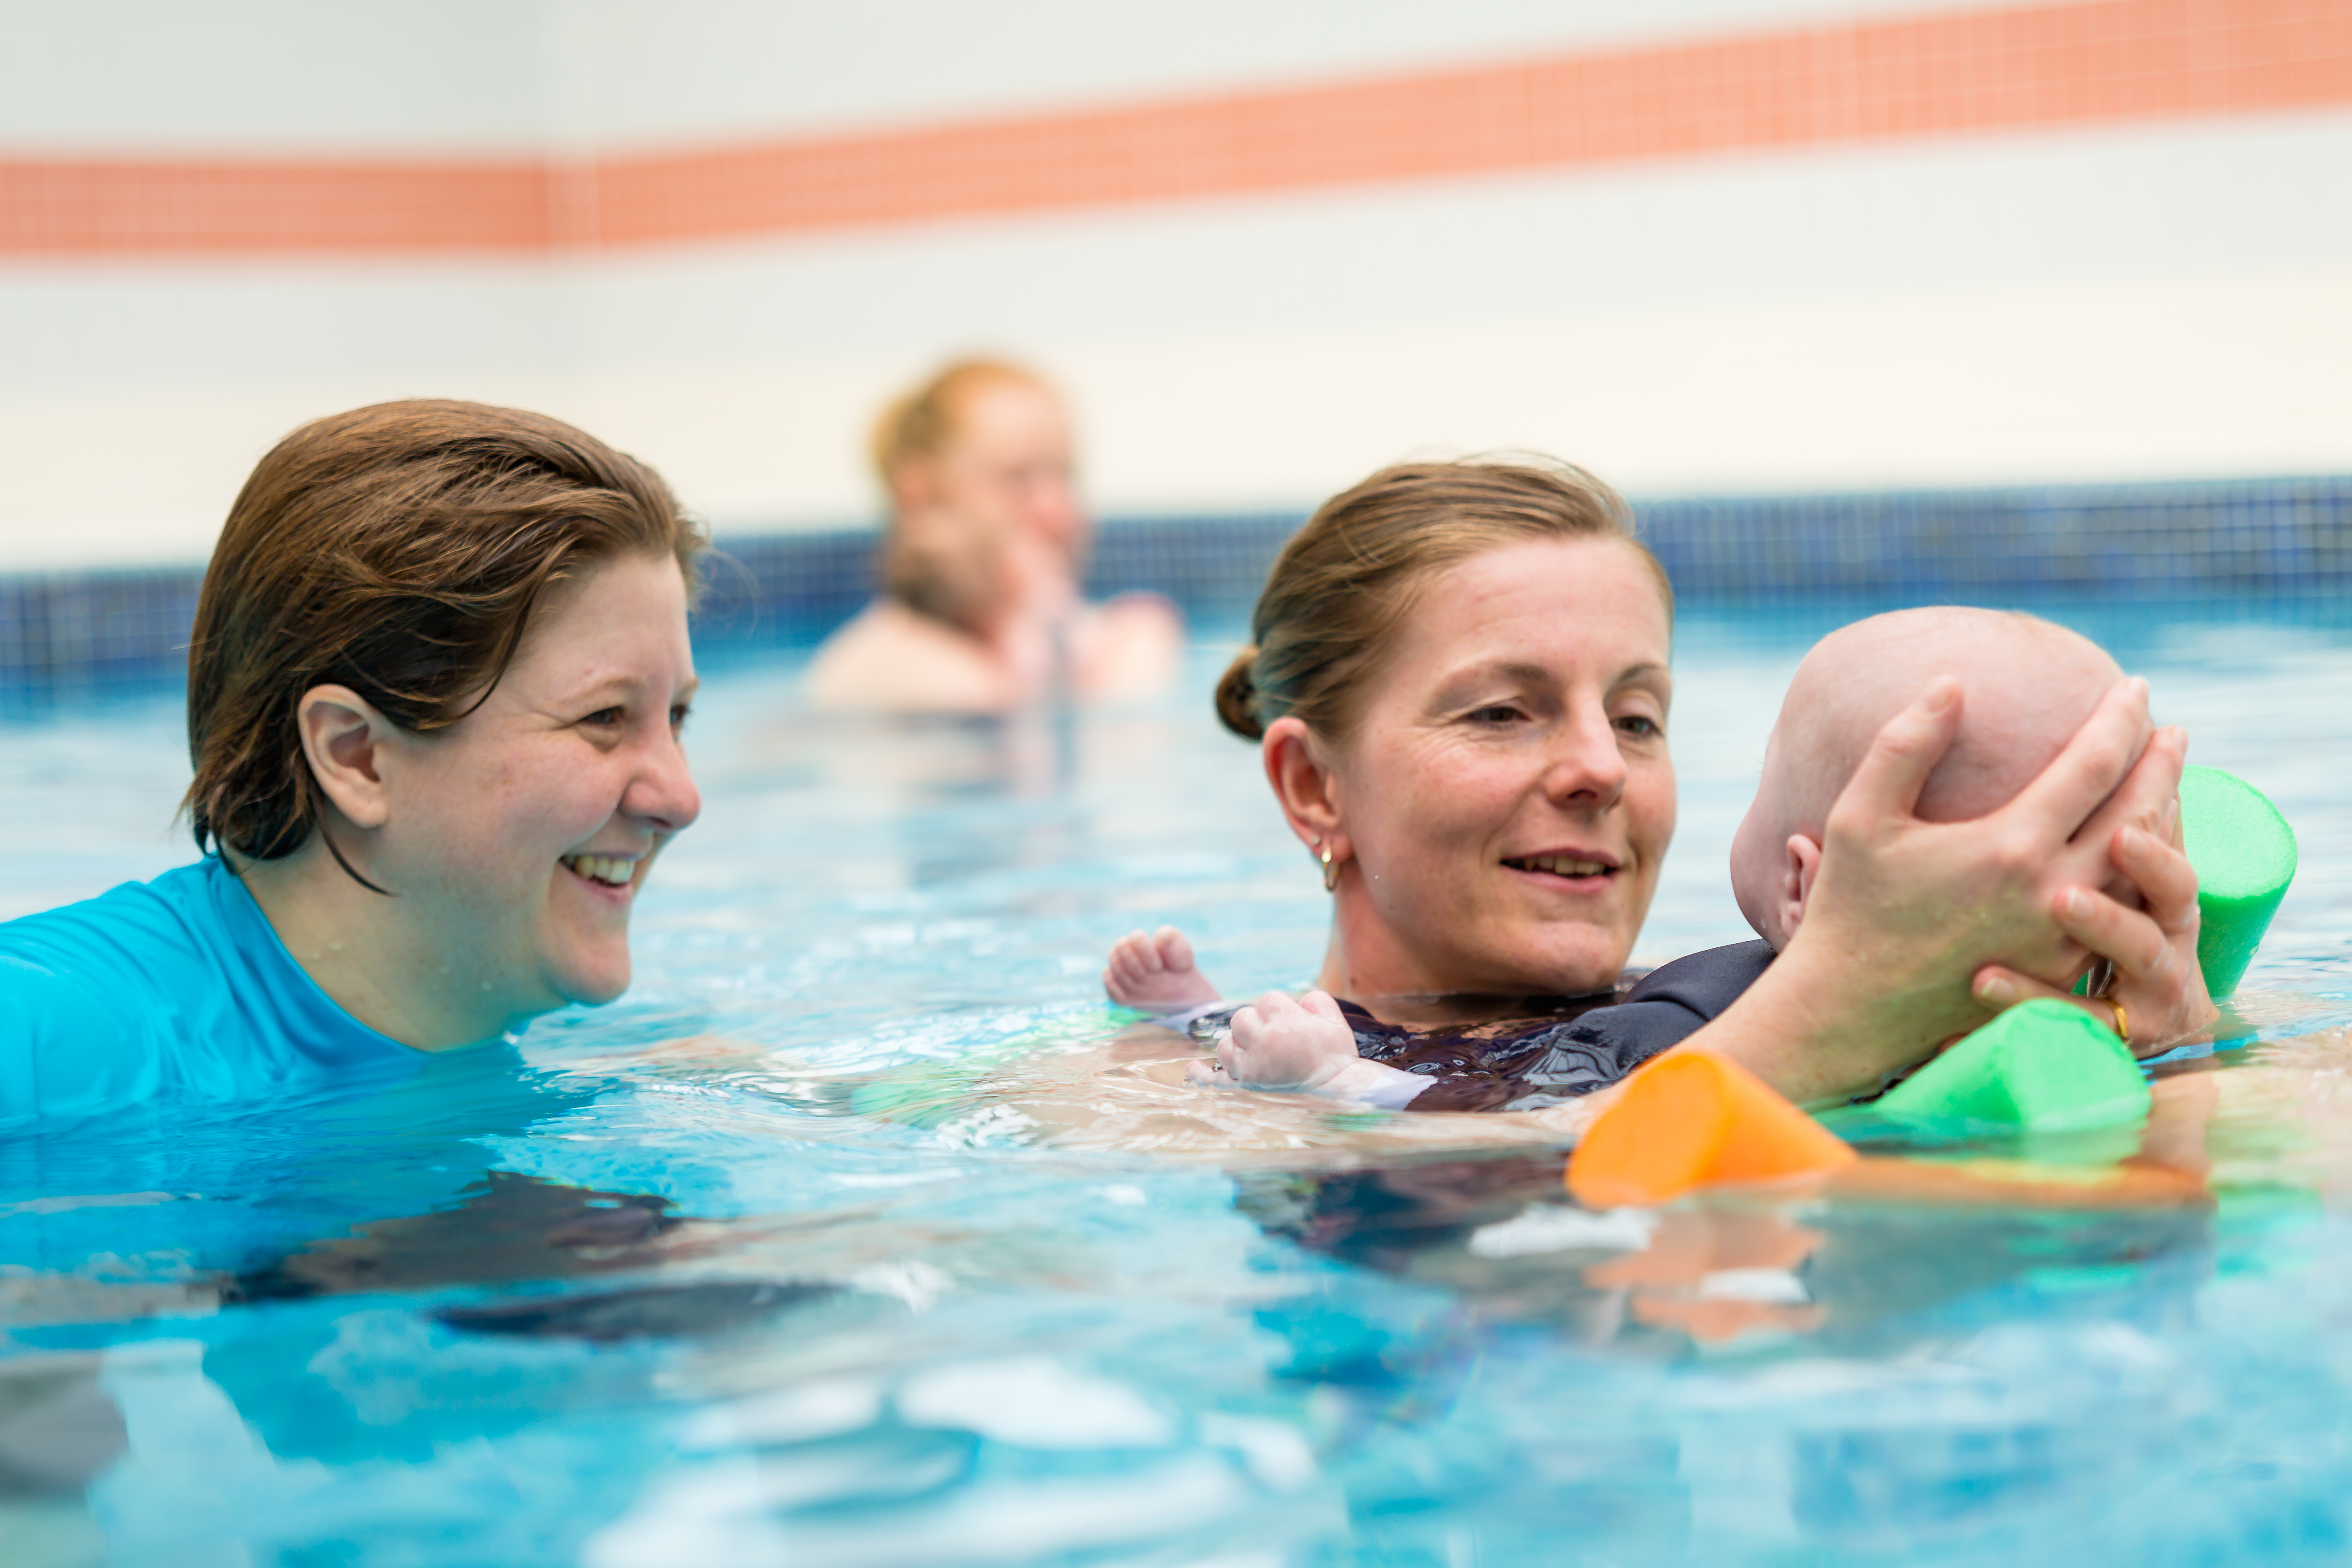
pixel 1692 1118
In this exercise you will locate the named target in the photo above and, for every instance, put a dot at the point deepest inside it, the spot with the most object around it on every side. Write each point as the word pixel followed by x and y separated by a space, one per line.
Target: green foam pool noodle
pixel 2044 1066
pixel 2244 855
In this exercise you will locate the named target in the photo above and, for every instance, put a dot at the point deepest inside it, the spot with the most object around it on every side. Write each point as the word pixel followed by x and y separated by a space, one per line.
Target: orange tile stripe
pixel 187 208
pixel 2036 65
pixel 2046 66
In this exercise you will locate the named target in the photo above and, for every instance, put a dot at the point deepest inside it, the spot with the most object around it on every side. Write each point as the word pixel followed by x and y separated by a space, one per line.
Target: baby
pixel 2028 686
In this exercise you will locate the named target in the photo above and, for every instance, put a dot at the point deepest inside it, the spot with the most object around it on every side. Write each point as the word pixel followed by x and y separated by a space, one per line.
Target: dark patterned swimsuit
pixel 1582 1044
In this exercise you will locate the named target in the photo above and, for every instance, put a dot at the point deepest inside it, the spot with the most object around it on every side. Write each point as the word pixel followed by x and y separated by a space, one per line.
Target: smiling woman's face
pixel 521 834
pixel 1507 795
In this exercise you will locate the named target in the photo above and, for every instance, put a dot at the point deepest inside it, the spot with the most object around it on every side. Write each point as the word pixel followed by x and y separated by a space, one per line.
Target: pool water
pixel 858 1232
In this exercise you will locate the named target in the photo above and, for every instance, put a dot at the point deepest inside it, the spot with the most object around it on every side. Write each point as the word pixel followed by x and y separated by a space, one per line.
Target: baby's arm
pixel 1156 973
pixel 1307 1046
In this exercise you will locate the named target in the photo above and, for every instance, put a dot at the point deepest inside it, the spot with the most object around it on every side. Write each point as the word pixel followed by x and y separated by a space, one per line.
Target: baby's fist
pixel 1277 1043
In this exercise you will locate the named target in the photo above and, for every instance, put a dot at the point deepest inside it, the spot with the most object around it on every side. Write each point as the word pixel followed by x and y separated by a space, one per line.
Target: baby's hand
pixel 1156 973
pixel 1280 1044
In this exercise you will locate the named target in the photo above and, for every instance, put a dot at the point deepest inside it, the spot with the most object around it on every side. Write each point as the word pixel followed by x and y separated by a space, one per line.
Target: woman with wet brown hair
pixel 980 560
pixel 1459 685
pixel 438 669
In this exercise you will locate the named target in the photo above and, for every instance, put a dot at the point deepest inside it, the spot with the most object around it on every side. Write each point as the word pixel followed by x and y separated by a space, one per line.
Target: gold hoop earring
pixel 1330 872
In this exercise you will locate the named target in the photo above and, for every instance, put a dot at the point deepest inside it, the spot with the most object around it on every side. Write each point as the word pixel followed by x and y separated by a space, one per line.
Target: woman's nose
pixel 663 793
pixel 1587 766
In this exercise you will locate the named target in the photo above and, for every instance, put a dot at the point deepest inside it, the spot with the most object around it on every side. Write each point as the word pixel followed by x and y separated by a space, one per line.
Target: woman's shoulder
pixel 157 990
pixel 89 993
pixel 125 929
pixel 1706 982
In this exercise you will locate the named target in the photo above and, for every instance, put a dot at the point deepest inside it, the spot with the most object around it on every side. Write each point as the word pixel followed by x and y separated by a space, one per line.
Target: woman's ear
pixel 342 737
pixel 1303 785
pixel 1801 864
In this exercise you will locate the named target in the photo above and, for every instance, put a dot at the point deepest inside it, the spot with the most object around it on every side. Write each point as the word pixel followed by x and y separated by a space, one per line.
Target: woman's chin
pixel 591 980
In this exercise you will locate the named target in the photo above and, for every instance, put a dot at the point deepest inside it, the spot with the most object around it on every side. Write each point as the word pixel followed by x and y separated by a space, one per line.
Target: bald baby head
pixel 2028 686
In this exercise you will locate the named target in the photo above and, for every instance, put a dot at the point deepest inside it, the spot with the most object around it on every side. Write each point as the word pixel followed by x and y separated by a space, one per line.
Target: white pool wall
pixel 2160 298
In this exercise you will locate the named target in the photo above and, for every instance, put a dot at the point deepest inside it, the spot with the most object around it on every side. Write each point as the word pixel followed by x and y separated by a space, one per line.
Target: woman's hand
pixel 2157 982
pixel 1903 913
pixel 1306 1044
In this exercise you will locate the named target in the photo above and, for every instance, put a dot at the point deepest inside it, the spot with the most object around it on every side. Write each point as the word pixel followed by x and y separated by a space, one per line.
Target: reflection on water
pixel 861 1232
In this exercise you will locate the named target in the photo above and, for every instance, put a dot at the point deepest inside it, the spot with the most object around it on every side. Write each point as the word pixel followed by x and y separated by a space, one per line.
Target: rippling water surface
pixel 861 1232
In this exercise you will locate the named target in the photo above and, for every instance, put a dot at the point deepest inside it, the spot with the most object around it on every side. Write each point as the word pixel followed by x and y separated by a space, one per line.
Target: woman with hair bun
pixel 438 670
pixel 1459 685
pixel 979 611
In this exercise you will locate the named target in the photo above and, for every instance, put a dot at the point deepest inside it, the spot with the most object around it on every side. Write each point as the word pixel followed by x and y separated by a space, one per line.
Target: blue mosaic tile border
pixel 64 632
pixel 2286 542
pixel 2271 539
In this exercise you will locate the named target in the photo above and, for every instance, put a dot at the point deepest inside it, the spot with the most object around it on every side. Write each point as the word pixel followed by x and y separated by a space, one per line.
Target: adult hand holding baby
pixel 1903 914
pixel 2155 995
